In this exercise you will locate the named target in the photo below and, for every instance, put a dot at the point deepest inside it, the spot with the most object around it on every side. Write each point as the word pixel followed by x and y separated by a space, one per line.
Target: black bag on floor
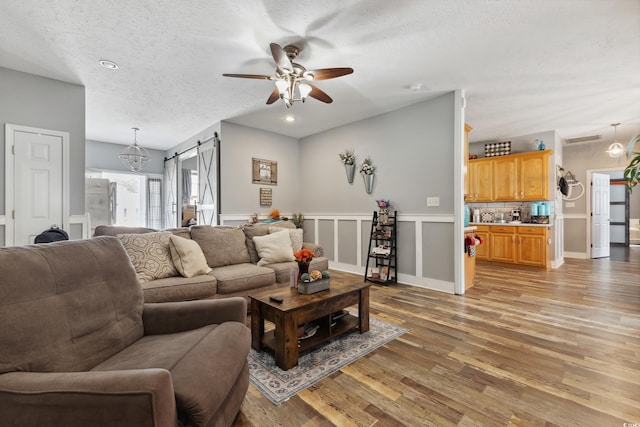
pixel 54 234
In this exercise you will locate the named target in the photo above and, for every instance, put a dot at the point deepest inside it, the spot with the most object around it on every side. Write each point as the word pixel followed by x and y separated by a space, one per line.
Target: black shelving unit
pixel 382 254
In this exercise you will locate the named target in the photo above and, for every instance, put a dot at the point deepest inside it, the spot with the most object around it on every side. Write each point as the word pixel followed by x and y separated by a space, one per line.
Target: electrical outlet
pixel 433 201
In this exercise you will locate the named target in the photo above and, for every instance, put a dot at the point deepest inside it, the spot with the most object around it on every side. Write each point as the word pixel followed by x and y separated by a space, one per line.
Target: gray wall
pixel 239 144
pixel 413 151
pixel 411 148
pixel 579 158
pixel 29 100
pixel 104 156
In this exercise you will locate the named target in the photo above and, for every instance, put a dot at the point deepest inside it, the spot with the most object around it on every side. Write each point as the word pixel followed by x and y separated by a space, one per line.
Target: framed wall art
pixel 265 171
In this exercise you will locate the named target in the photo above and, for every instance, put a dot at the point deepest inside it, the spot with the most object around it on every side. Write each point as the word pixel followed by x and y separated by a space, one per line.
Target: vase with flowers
pixel 303 258
pixel 348 159
pixel 366 170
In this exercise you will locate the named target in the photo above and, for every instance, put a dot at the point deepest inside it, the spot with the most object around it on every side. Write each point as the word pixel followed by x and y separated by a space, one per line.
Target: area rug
pixel 317 363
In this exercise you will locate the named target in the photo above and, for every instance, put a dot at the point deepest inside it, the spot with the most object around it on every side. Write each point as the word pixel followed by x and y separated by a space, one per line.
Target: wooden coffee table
pixel 297 309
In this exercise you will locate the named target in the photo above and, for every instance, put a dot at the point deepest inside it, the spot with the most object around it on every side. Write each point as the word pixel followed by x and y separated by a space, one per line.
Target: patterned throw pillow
pixel 150 255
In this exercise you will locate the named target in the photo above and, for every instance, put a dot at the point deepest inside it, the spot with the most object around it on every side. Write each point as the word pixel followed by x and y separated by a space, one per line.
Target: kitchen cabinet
pixel 521 176
pixel 532 246
pixel 514 244
pixel 514 177
pixel 482 251
pixel 480 180
pixel 467 129
pixel 503 244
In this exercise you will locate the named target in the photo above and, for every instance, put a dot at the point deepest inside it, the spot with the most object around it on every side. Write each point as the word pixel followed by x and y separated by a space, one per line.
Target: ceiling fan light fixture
pixel 304 90
pixel 135 157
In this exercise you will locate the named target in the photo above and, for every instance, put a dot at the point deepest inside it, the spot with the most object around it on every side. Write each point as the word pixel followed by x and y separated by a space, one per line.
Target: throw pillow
pixel 188 257
pixel 251 231
pixel 149 253
pixel 274 248
pixel 294 234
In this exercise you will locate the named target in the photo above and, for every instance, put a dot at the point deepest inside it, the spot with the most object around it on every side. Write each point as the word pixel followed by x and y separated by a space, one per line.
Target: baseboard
pixel 578 255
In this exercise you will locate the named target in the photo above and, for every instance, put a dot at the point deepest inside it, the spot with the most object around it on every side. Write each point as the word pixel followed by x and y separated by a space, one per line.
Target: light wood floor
pixel 557 348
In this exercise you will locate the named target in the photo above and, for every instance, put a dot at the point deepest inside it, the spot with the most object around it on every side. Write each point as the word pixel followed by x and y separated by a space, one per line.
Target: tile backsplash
pixel 490 211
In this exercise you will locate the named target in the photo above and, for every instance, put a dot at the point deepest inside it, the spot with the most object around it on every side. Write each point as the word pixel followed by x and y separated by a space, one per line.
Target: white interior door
pixel 600 194
pixel 37 183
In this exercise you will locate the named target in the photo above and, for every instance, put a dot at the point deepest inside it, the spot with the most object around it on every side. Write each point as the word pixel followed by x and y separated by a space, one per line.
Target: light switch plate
pixel 433 201
pixel 570 205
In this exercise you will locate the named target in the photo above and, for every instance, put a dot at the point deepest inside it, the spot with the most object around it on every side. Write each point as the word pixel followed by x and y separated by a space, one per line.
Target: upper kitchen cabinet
pixel 522 176
pixel 480 174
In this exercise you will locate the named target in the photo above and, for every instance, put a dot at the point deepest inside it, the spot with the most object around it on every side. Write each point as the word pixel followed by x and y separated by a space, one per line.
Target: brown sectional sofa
pixel 79 347
pixel 231 254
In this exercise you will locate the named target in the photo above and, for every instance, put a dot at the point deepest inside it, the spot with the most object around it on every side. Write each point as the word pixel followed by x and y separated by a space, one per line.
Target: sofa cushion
pixel 251 231
pixel 221 245
pixel 242 277
pixel 78 302
pixel 180 288
pixel 219 350
pixel 295 234
pixel 181 232
pixel 149 254
pixel 274 248
pixel 187 257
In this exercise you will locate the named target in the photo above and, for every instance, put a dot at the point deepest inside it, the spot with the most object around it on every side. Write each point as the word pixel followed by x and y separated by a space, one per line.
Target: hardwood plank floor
pixel 520 348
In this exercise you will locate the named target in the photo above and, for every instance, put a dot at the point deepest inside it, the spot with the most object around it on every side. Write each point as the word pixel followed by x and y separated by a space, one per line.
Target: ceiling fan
pixel 292 80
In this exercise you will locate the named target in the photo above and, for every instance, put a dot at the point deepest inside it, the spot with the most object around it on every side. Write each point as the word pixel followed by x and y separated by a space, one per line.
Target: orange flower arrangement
pixel 275 214
pixel 304 256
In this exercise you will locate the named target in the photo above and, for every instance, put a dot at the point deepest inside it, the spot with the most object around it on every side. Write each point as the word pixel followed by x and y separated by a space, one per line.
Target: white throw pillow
pixel 188 257
pixel 295 234
pixel 274 248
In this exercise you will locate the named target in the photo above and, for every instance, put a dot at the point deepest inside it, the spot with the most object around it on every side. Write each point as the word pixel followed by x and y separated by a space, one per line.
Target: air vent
pixel 583 139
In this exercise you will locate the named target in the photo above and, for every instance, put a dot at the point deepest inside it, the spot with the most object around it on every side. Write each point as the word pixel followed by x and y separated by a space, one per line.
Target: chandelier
pixel 615 149
pixel 135 157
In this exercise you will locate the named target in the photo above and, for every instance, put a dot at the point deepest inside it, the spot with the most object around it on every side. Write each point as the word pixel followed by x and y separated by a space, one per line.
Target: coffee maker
pixel 515 215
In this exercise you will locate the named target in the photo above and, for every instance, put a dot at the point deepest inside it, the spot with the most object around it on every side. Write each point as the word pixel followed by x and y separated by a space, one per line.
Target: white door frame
pixel 9 202
pixel 587 192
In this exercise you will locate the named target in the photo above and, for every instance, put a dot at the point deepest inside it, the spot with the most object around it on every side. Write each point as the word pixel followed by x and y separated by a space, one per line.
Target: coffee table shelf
pixel 345 324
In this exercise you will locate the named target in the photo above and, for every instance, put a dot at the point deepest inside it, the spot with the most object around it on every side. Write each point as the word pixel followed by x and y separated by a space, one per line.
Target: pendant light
pixel 135 157
pixel 615 149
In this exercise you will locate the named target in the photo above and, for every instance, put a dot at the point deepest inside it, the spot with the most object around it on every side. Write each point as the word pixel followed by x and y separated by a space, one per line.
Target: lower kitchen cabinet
pixel 522 245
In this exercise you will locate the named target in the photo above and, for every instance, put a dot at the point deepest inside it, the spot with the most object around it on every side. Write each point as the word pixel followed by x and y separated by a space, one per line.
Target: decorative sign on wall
pixel 265 197
pixel 265 171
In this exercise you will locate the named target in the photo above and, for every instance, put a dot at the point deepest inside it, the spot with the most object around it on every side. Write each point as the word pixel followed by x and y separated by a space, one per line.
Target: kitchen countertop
pixel 512 224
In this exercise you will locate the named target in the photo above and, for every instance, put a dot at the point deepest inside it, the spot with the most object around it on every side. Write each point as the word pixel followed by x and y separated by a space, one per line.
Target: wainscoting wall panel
pixel 425 251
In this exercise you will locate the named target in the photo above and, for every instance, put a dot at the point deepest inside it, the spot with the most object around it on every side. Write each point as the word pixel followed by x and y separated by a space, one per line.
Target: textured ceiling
pixel 526 66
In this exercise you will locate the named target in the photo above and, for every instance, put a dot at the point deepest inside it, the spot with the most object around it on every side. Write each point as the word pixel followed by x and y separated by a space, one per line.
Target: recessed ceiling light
pixel 416 87
pixel 289 119
pixel 108 64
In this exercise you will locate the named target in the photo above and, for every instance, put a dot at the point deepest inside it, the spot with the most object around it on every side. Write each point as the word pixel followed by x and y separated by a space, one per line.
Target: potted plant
pixel 632 171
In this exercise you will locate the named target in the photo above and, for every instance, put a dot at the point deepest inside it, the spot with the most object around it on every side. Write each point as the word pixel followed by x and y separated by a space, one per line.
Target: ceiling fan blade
pixel 319 95
pixel 249 76
pixel 275 95
pixel 330 73
pixel 281 58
